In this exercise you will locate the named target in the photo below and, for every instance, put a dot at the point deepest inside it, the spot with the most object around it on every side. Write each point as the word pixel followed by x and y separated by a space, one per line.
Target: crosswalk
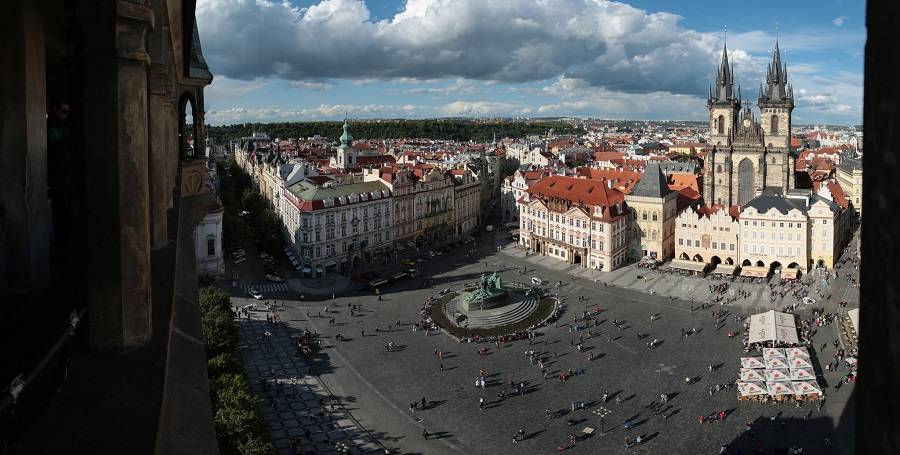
pixel 266 287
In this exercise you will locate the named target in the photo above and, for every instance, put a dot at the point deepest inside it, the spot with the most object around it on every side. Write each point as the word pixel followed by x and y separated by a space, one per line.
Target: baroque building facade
pixel 747 154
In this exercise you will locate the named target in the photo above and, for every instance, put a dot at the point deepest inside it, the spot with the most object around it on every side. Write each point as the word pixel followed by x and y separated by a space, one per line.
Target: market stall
pixel 750 375
pixel 773 329
pixel 752 362
pixel 777 375
pixel 802 374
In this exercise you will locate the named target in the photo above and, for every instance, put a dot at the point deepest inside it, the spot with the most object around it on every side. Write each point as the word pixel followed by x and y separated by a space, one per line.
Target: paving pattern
pixel 293 402
pixel 375 386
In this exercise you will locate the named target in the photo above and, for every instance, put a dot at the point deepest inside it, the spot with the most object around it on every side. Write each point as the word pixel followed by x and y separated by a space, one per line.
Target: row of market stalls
pixel 700 268
pixel 780 374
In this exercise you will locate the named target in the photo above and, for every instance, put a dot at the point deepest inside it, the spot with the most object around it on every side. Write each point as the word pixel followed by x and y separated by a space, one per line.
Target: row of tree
pixel 239 427
pixel 238 195
pixel 450 129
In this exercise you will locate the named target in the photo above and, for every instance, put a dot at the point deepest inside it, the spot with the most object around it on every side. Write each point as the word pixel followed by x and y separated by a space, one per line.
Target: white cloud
pixel 223 88
pixel 839 21
pixel 610 44
pixel 312 85
pixel 481 109
pixel 240 114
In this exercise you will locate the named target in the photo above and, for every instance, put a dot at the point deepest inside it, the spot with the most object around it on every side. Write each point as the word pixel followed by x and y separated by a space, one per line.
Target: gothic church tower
pixel 748 156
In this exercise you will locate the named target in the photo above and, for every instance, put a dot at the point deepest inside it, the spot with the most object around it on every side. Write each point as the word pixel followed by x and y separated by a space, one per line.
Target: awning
pixel 802 374
pixel 782 374
pixel 752 362
pixel 768 353
pixel 306 270
pixel 399 275
pixel 780 388
pixel 789 274
pixel 749 374
pixel 376 283
pixel 799 362
pixel 854 319
pixel 754 271
pixel 752 388
pixel 319 269
pixel 688 265
pixel 773 326
pixel 514 232
pixel 330 264
pixel 799 351
pixel 724 269
pixel 810 387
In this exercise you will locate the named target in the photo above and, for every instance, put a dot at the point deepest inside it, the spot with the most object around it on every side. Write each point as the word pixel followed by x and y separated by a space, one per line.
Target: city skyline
pixel 418 59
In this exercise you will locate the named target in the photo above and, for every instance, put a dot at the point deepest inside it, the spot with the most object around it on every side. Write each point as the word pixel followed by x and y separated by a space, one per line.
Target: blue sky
pixel 280 60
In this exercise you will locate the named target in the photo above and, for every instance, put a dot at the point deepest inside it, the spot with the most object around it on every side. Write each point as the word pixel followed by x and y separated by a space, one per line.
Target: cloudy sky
pixel 283 60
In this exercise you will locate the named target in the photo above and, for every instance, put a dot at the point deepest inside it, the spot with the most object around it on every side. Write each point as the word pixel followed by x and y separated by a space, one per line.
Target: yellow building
pixel 850 176
pixel 653 209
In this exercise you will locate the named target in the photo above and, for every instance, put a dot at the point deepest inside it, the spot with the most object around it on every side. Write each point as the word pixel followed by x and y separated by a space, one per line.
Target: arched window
pixel 719 168
pixel 644 216
pixel 721 124
pixel 773 125
pixel 210 245
pixel 655 216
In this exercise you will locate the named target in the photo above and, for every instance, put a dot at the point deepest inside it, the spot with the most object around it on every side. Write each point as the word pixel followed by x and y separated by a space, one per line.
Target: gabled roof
pixel 589 192
pixel 653 183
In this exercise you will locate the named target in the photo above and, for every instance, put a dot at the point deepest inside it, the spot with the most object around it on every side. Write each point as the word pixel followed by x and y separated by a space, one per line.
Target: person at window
pixel 59 167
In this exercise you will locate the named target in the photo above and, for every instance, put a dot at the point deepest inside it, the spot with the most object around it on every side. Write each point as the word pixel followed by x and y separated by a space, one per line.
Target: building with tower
pixel 748 155
pixel 346 154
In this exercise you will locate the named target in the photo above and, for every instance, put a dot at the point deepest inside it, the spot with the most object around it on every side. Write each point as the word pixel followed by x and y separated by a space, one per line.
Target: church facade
pixel 748 154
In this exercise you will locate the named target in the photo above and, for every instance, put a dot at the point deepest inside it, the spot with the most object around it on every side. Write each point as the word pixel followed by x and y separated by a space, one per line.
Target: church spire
pixel 776 79
pixel 724 77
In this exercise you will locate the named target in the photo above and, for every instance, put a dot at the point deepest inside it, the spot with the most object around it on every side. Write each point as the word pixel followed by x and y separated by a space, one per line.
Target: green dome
pixel 346 138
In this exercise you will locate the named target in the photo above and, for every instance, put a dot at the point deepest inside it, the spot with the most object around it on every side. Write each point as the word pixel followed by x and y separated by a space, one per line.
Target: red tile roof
pixel 591 193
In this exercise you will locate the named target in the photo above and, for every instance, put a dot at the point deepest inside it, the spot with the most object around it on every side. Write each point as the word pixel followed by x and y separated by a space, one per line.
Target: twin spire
pixel 775 89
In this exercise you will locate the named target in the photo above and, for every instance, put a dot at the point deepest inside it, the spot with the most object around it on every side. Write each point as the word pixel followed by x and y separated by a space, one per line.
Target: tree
pixel 234 229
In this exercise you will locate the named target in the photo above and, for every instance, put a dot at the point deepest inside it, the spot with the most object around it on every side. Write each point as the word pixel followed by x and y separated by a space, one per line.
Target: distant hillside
pixel 459 130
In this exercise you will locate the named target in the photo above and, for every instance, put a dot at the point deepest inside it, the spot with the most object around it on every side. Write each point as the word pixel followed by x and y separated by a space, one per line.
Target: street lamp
pixel 602 412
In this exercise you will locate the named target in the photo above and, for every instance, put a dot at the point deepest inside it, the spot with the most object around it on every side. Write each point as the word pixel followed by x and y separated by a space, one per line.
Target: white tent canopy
pixel 749 375
pixel 776 363
pixel 768 353
pixel 802 374
pixel 752 388
pixel 752 362
pixel 780 388
pixel 854 319
pixel 806 388
pixel 797 352
pixel 799 362
pixel 773 326
pixel 777 375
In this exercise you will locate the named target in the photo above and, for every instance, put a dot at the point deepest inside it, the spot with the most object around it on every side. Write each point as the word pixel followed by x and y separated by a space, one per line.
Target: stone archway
pixel 793 265
pixel 576 259
pixel 729 261
pixel 187 114
pixel 715 260
pixel 775 265
pixel 698 258
pixel 684 256
pixel 820 264
pixel 760 264
pixel 746 263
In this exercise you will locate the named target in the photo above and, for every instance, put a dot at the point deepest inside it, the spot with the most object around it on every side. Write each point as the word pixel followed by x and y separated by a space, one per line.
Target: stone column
pixel 24 209
pixel 117 146
pixel 159 184
pixel 172 157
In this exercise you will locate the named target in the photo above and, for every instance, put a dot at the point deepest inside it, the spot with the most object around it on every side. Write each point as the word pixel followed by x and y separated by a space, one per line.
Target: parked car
pixel 536 281
pixel 407 262
pixel 255 294
pixel 432 253
pixel 274 278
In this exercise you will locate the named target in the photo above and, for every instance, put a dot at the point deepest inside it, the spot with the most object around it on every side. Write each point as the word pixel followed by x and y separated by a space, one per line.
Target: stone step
pixel 523 310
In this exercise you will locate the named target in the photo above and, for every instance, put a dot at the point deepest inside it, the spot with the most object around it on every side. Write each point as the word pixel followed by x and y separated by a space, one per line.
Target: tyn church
pixel 748 155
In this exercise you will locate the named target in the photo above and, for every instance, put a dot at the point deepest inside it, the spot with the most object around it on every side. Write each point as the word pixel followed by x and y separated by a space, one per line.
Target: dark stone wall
pixel 878 423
